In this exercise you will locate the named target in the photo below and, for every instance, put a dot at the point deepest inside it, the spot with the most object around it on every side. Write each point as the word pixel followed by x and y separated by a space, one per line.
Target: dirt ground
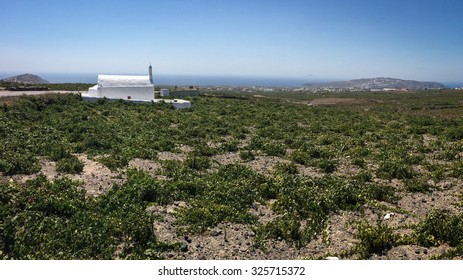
pixel 236 241
pixel 338 101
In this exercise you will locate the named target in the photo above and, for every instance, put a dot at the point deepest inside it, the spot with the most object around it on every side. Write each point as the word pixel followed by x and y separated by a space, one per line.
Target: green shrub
pixel 70 164
pixel 114 161
pixel 164 145
pixel 198 163
pixel 55 220
pixel 225 196
pixel 390 169
pixel 256 143
pixel 317 152
pixel 285 227
pixel 327 165
pixel 204 150
pixel 363 176
pixel 438 172
pixel 247 155
pixel 457 170
pixel 177 170
pixel 450 152
pixel 381 193
pixel 23 162
pixel 300 157
pixel 342 195
pixel 285 168
pixel 274 149
pixel 418 184
pixel 140 189
pixel 374 239
pixel 440 226
pixel 229 146
pixel 360 162
pixel 203 214
pixel 268 190
pixel 59 152
pixel 454 133
pixel 98 142
pixel 326 140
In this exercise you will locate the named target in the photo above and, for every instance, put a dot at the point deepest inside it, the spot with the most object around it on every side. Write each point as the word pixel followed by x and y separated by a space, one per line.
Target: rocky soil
pixel 236 241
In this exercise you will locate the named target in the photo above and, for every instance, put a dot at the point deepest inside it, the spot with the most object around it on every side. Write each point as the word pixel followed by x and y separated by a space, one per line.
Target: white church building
pixel 130 88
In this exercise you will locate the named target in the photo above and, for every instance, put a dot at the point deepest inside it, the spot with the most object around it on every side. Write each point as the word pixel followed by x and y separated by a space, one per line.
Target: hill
pixel 248 178
pixel 377 84
pixel 26 79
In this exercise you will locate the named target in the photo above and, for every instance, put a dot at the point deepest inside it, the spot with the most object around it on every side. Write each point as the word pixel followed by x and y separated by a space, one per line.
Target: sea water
pixel 195 80
pixel 180 80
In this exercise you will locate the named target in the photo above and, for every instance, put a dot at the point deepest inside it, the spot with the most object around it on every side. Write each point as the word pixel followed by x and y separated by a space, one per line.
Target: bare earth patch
pixel 171 156
pixel 227 158
pixel 264 164
pixel 338 101
pixel 421 204
pixel 95 177
pixel 149 166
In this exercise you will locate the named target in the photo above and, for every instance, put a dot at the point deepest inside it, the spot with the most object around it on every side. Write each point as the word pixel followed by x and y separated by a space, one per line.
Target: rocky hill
pixel 377 84
pixel 27 79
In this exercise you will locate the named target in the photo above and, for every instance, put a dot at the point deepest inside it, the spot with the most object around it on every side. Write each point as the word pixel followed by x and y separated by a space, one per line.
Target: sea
pixel 180 80
pixel 197 80
pixel 454 84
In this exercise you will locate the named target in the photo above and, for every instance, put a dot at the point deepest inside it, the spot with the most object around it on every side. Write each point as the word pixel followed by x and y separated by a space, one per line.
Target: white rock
pixel 332 258
pixel 389 215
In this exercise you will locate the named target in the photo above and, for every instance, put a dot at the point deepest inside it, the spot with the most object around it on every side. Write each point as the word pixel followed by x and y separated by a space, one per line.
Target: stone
pixel 215 233
pixel 184 247
pixel 389 215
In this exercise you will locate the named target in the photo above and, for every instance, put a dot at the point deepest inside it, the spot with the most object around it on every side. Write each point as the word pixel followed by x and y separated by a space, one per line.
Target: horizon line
pixel 310 78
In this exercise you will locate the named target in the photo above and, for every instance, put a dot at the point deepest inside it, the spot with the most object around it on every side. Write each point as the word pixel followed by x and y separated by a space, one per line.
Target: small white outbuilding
pixel 164 92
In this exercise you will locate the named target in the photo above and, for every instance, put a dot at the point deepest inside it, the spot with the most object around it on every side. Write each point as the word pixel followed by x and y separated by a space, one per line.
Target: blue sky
pixel 331 39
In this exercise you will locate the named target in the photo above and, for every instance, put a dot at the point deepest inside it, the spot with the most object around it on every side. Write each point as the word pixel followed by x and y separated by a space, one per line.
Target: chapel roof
pixel 123 81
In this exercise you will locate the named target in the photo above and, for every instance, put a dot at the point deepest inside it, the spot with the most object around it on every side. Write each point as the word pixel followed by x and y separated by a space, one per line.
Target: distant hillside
pixel 377 84
pixel 27 79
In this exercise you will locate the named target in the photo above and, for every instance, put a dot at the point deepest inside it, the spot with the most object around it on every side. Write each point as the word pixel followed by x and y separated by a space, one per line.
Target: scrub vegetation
pixel 320 179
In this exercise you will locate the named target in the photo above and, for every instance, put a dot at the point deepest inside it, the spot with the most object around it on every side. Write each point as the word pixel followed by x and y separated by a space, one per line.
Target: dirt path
pixel 338 101
pixel 9 93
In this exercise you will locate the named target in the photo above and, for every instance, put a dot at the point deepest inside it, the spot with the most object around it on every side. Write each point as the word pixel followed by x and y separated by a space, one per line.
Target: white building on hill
pixel 133 88
pixel 123 87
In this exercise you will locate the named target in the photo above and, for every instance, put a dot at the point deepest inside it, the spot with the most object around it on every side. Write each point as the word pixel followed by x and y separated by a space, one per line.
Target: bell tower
pixel 150 71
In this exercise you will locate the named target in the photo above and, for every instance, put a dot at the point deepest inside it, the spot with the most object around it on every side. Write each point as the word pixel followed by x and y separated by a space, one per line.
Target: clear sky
pixel 336 39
